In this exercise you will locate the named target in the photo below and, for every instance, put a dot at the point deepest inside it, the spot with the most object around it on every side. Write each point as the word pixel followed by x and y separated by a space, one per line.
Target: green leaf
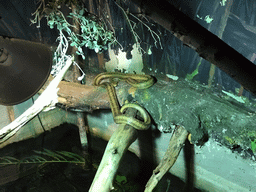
pixel 83 28
pixel 89 44
pixel 80 49
pixel 51 22
pixel 73 44
pixel 83 43
pixel 253 146
pixel 68 31
pixel 8 159
pixel 121 179
pixel 72 155
pixel 194 73
pixel 81 12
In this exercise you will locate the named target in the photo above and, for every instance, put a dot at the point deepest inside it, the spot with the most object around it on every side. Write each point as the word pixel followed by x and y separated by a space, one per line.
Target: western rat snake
pixel 138 81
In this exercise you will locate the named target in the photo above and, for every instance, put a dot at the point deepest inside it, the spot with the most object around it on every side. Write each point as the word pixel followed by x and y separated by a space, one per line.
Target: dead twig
pixel 175 145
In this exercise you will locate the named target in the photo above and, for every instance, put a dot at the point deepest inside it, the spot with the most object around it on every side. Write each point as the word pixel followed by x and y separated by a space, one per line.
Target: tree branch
pixel 46 101
pixel 175 145
pixel 118 144
pixel 206 44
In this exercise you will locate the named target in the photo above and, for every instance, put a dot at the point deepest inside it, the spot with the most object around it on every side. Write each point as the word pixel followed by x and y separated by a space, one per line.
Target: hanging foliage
pixel 93 34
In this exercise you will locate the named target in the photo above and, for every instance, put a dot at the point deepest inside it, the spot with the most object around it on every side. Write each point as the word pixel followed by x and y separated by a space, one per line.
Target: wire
pixel 38 116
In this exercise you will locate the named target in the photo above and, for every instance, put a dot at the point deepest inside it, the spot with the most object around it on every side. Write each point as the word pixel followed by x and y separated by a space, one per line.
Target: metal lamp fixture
pixel 24 68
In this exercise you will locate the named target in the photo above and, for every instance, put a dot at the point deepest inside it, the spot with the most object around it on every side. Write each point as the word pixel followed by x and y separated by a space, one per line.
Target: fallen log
pixel 201 111
pixel 78 97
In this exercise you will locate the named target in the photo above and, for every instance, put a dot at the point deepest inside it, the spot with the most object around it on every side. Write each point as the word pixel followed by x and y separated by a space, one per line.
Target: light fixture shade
pixel 24 68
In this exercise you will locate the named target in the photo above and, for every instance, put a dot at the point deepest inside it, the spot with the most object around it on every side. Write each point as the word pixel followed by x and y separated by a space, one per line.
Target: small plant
pixel 45 156
pixel 253 145
pixel 93 34
pixel 194 73
pixel 121 184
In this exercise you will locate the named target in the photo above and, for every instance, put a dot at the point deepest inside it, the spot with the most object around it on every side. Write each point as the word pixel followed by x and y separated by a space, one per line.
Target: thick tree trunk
pixel 206 44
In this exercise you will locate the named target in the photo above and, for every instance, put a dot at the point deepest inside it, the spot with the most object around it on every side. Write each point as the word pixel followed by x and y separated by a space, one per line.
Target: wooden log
pixel 83 98
pixel 118 144
pixel 202 111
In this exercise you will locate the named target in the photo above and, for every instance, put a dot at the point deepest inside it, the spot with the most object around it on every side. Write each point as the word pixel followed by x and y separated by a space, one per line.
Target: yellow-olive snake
pixel 136 80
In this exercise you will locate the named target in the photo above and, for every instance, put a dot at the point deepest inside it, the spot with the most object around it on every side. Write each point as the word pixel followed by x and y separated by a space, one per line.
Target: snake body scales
pixel 137 81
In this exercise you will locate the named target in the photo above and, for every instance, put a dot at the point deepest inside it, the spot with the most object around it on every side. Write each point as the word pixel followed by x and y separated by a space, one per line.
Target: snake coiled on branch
pixel 135 80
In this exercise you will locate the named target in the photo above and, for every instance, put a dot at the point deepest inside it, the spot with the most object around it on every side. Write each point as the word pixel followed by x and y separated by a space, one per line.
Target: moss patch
pixel 202 111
